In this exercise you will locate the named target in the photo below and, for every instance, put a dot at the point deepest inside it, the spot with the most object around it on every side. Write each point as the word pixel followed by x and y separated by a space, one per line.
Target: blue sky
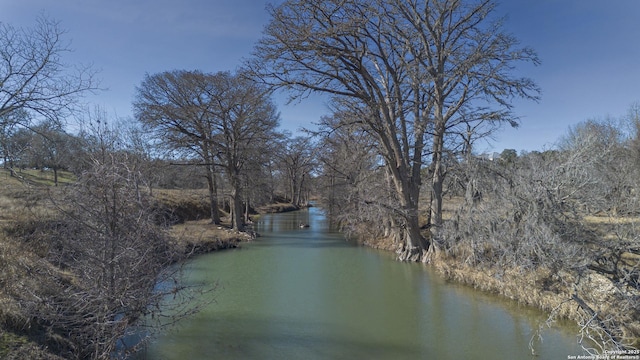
pixel 590 52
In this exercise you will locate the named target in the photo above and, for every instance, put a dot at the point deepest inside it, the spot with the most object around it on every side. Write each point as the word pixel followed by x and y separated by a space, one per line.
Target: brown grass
pixel 526 287
pixel 21 281
pixel 25 273
pixel 195 237
pixel 612 228
pixel 541 288
pixel 36 177
pixel 610 220
pixel 277 208
pixel 184 205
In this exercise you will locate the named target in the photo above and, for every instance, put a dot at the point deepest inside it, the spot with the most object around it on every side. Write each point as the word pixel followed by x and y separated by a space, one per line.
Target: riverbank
pixel 586 297
pixel 196 237
pixel 525 288
pixel 191 229
pixel 309 294
pixel 192 235
pixel 42 271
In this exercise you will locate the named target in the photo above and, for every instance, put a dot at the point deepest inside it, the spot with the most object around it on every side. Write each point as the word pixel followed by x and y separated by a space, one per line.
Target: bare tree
pixel 596 151
pixel 33 74
pixel 51 147
pixel 225 119
pixel 407 69
pixel 354 184
pixel 633 118
pixel 10 132
pixel 142 149
pixel 297 161
pixel 8 127
pixel 104 263
pixel 245 123
pixel 177 106
pixel 532 227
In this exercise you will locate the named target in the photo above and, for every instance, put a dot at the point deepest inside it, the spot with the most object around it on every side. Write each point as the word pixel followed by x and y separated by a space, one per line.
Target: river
pixel 309 294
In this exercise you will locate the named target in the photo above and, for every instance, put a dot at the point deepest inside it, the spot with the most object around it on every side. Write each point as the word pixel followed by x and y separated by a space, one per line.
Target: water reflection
pixel 309 294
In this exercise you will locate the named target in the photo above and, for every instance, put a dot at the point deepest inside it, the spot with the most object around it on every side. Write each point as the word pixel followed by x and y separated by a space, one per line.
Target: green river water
pixel 309 294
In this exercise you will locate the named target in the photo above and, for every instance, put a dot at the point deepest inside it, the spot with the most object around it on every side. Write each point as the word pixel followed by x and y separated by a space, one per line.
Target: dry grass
pixel 612 228
pixel 178 195
pixel 611 220
pixel 277 208
pixel 37 177
pixel 21 283
pixel 25 274
pixel 18 196
pixel 11 195
pixel 184 205
pixel 531 288
pixel 193 237
pixel 554 291
pixel 525 287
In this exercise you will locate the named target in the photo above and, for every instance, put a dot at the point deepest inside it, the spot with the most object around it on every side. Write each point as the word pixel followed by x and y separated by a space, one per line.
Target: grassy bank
pixel 278 207
pixel 29 274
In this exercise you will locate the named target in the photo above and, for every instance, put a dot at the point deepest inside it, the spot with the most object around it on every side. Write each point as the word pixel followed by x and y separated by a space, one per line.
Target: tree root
pixel 411 254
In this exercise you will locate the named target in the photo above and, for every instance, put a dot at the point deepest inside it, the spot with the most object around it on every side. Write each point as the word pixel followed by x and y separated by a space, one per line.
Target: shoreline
pixel 531 289
pixel 541 289
pixel 197 237
pixel 510 284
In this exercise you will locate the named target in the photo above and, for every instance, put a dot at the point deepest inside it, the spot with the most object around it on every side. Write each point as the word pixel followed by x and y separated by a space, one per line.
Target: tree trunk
pixel 436 190
pixel 236 212
pixel 299 193
pixel 414 244
pixel 406 183
pixel 293 187
pixel 211 181
pixel 437 182
pixel 246 210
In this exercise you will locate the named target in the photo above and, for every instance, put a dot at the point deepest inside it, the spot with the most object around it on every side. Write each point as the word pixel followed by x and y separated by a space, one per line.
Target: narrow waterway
pixel 306 293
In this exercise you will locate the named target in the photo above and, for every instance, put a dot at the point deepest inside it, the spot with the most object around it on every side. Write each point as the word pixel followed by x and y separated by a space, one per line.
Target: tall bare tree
pixel 9 126
pixel 245 122
pixel 409 70
pixel 35 81
pixel 353 184
pixel 33 73
pixel 225 119
pixel 177 106
pixel 297 161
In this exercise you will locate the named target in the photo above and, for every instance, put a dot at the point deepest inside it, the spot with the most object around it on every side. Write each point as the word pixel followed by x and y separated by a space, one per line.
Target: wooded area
pixel 414 86
pixel 409 74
